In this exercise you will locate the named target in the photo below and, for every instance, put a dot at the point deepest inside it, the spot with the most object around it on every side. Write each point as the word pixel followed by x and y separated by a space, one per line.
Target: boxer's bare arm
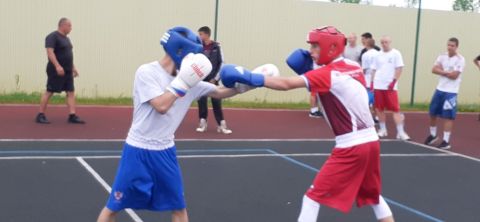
pixel 285 83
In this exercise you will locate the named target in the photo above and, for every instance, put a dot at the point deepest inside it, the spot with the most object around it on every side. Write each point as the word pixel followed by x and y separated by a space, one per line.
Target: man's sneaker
pixel 72 118
pixel 316 114
pixel 202 126
pixel 382 133
pixel 223 128
pixel 444 145
pixel 41 118
pixel 403 136
pixel 431 140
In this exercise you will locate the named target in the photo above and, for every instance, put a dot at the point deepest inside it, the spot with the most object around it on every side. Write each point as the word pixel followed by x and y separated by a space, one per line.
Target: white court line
pixel 62 140
pixel 181 140
pixel 444 151
pixel 55 157
pixel 235 140
pixel 107 187
pixel 230 156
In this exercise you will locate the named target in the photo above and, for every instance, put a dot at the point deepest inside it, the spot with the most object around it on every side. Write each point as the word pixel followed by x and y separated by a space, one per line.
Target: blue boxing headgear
pixel 179 41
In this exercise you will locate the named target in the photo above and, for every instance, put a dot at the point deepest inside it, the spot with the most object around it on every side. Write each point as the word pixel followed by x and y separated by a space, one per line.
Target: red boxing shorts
pixel 386 100
pixel 349 174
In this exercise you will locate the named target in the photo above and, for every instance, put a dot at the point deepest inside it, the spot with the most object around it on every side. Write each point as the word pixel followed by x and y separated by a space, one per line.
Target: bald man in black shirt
pixel 60 71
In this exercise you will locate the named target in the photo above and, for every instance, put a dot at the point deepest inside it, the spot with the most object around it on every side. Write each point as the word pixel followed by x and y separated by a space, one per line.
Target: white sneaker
pixel 223 128
pixel 202 126
pixel 403 136
pixel 382 133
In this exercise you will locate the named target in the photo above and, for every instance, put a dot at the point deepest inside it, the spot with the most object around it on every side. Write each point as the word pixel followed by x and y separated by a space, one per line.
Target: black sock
pixel 71 115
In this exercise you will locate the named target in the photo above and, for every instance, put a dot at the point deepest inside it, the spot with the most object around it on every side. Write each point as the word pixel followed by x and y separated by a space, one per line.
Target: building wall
pixel 112 38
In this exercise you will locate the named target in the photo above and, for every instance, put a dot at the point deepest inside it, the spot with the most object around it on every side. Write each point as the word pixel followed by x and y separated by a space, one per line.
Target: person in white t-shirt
pixel 149 176
pixel 449 66
pixel 352 50
pixel 367 60
pixel 386 71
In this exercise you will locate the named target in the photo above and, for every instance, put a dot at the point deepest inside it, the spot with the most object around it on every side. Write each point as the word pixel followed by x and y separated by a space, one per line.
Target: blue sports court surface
pixel 228 180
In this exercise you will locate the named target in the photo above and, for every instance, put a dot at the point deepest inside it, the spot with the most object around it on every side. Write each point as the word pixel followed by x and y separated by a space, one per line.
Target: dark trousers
pixel 203 108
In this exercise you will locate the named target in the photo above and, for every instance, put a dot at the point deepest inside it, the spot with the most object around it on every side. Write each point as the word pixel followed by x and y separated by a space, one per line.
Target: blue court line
pixel 221 150
pixel 306 166
pixel 96 152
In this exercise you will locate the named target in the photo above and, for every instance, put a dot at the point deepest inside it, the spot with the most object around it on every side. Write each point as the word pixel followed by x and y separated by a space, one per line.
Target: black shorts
pixel 57 84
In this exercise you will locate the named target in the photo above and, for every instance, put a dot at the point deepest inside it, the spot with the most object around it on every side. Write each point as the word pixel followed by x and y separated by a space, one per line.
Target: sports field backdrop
pixel 112 38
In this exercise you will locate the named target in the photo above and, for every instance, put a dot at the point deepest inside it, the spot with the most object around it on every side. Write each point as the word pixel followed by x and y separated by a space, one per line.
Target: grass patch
pixel 34 98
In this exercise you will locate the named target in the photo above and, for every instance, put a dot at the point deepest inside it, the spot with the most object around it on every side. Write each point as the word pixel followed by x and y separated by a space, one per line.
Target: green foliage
pixel 34 98
pixel 466 5
pixel 411 3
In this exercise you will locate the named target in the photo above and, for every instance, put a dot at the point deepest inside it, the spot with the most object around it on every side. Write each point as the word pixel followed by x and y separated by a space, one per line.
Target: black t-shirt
pixel 62 47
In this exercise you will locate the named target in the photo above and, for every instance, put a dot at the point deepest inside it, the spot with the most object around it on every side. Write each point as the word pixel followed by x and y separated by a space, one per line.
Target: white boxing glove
pixel 266 70
pixel 194 68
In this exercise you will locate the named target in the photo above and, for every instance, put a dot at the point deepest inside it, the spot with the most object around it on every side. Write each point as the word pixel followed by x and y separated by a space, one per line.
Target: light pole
pixel 417 35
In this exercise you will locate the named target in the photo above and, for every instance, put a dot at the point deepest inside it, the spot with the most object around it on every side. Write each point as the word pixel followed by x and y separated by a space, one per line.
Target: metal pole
pixel 216 21
pixel 417 35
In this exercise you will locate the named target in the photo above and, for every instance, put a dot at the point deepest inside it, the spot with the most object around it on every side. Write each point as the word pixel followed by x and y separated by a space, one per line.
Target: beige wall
pixel 112 38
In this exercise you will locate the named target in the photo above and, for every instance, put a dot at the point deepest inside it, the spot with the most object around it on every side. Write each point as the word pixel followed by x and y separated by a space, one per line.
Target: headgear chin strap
pixel 178 42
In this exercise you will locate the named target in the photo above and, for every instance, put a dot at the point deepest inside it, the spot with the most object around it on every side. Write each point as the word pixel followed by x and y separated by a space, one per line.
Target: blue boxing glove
pixel 231 74
pixel 300 61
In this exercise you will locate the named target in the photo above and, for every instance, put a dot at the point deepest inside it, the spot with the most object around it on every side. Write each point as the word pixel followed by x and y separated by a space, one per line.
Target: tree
pixel 346 1
pixel 466 5
pixel 411 3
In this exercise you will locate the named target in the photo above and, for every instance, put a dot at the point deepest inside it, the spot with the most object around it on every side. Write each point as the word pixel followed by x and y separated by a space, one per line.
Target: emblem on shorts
pixel 118 195
pixel 450 104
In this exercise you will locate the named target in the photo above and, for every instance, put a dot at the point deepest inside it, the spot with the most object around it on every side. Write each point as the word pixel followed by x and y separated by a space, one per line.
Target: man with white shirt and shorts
pixel 449 66
pixel 149 176
pixel 367 59
pixel 386 71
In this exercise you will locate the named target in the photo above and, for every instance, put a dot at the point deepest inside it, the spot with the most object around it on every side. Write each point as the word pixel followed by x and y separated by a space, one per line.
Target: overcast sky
pixel 427 4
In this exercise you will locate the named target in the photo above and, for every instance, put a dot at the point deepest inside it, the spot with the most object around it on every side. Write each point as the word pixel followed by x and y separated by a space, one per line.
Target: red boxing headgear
pixel 326 37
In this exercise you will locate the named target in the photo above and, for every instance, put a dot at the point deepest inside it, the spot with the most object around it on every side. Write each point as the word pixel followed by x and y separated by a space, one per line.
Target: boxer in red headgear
pixel 352 172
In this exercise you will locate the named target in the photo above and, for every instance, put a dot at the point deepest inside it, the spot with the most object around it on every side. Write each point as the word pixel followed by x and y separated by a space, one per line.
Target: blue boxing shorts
pixel 147 179
pixel 444 105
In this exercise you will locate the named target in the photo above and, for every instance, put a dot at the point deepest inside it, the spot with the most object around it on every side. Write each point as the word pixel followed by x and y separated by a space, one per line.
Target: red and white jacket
pixel 340 86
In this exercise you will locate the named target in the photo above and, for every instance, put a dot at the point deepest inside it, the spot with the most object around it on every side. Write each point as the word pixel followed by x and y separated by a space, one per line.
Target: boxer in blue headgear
pixel 148 175
pixel 178 42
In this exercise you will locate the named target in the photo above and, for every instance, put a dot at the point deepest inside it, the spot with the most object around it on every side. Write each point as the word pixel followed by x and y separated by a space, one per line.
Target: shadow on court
pixel 231 181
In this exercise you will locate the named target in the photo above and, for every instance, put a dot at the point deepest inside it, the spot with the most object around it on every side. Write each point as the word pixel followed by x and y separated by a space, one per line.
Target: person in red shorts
pixel 352 172
pixel 386 70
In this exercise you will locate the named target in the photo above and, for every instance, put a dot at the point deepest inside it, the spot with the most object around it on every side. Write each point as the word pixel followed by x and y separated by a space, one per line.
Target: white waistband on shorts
pixel 149 144
pixel 356 138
